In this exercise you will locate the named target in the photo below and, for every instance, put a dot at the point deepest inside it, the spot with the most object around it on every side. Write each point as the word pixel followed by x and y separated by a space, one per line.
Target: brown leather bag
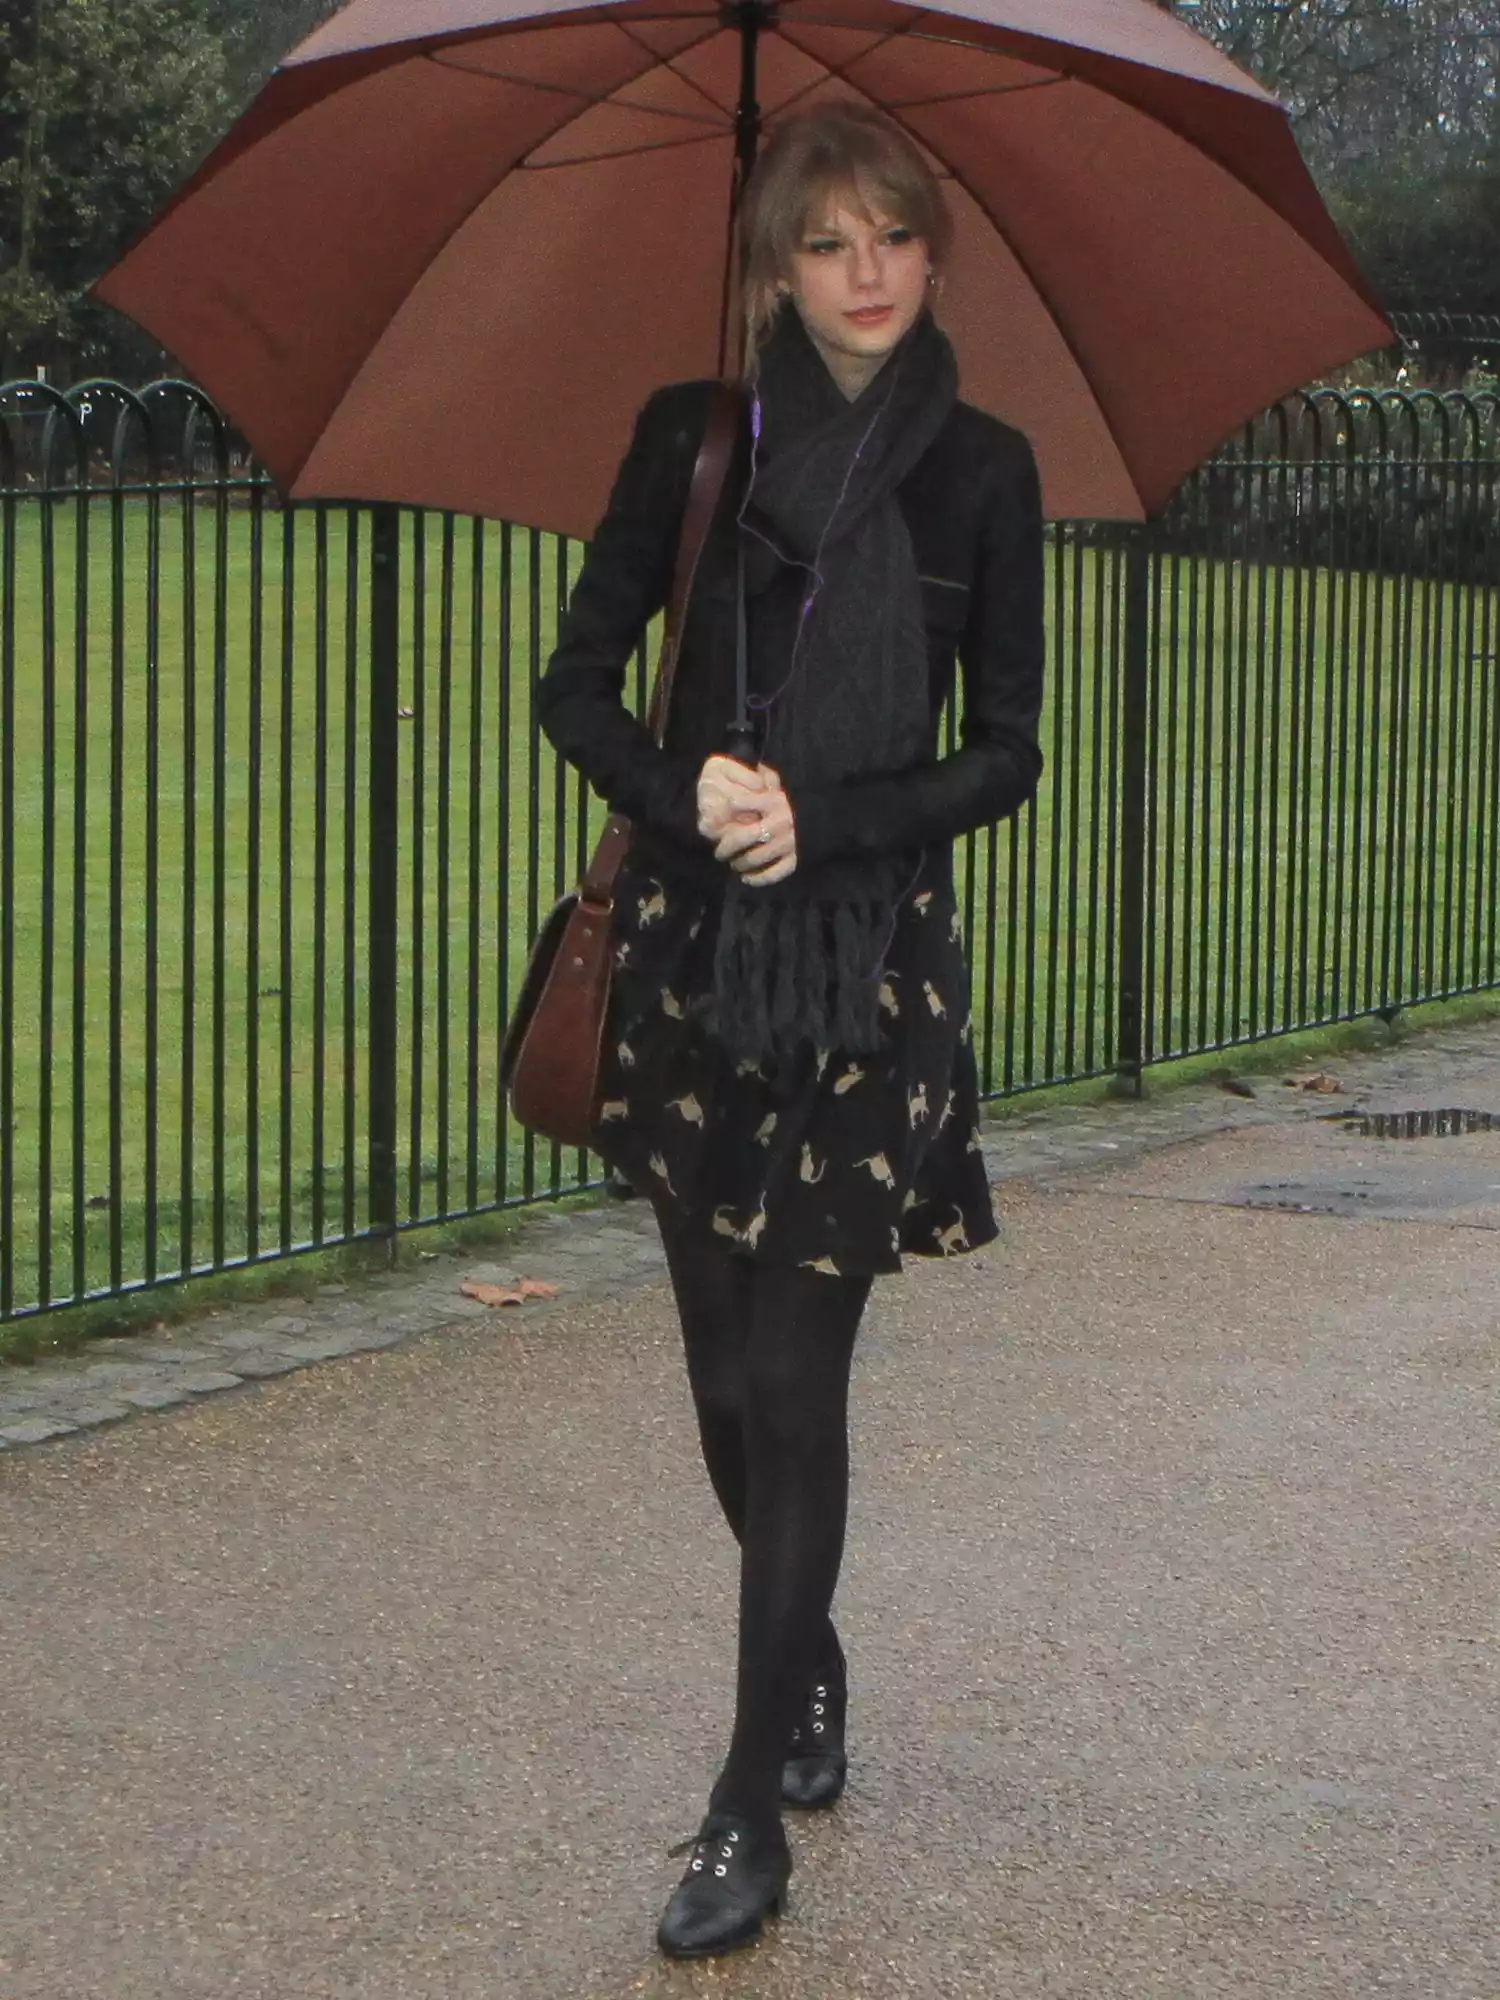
pixel 549 1059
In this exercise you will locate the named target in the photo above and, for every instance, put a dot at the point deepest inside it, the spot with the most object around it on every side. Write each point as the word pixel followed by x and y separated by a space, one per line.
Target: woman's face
pixel 859 281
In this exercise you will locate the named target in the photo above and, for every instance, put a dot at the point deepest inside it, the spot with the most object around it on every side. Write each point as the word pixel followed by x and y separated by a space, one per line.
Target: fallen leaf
pixel 1321 1080
pixel 506 1295
pixel 491 1295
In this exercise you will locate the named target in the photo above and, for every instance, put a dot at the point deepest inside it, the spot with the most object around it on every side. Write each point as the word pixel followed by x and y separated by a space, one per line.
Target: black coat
pixel 973 508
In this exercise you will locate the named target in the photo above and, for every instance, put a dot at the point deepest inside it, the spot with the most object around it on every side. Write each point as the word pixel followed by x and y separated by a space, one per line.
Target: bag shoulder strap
pixel 710 470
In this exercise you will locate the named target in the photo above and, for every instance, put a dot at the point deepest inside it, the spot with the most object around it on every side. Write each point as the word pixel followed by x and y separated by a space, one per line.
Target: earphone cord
pixel 890 932
pixel 763 704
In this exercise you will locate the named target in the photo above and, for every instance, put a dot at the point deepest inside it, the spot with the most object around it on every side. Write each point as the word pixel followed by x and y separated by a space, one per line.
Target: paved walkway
pixel 1171 1602
pixel 614 1248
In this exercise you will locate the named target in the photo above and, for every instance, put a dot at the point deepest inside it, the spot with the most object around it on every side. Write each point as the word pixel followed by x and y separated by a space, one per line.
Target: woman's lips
pixel 870 315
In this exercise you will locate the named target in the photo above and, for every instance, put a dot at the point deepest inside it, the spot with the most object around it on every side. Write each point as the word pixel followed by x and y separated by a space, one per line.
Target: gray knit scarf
pixel 801 963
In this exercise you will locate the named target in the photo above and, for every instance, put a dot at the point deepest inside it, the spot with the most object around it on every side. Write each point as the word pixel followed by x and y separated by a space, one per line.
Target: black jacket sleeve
pixel 625 580
pixel 999 761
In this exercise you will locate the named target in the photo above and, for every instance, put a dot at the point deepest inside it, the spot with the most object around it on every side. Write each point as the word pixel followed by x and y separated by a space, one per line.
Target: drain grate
pixel 1307 1197
pixel 1450 1124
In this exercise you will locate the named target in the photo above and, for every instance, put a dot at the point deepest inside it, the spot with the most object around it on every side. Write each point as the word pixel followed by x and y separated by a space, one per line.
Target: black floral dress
pixel 839 1164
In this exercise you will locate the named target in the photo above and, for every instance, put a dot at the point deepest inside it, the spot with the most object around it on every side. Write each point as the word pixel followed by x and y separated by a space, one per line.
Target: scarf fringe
pixel 799 973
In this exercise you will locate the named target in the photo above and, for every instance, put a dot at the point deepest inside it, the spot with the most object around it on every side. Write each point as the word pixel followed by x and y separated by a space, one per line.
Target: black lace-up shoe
pixel 816 1766
pixel 735 1880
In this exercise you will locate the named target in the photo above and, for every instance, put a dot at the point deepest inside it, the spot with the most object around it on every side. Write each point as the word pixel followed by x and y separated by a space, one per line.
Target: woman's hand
pixel 729 792
pixel 760 841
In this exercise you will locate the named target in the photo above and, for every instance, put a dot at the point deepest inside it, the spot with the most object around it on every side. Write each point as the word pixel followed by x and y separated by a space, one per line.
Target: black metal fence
pixel 276 822
pixel 1454 342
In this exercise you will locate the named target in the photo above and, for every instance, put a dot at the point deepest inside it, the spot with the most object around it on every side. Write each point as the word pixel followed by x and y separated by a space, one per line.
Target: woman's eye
pixel 899 234
pixel 821 246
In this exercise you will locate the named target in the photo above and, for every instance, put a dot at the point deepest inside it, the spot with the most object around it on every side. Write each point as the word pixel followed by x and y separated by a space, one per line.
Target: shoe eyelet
pixel 821 1693
pixel 697 1867
pixel 817 1708
pixel 721 1869
pixel 727 1852
pixel 818 1728
pixel 734 1836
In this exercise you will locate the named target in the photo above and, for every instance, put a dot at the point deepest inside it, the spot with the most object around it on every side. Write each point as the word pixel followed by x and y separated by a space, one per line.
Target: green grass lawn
pixel 191 830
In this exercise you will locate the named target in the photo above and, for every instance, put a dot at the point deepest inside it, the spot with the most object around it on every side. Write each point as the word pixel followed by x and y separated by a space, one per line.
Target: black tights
pixel 769 1350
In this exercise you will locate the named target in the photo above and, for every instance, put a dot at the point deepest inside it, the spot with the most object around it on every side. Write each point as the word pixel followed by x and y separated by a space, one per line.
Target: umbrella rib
pixel 295 472
pixel 967 96
pixel 830 69
pixel 589 99
pixel 841 71
pixel 1195 139
pixel 669 63
pixel 437 250
pixel 721 121
pixel 531 166
pixel 552 24
pixel 1062 331
pixel 910 32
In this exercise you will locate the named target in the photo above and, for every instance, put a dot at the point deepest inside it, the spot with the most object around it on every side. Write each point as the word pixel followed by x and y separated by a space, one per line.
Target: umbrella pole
pixel 748 16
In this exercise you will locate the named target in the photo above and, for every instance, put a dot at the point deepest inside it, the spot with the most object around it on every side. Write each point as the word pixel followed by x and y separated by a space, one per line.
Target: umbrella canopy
pixel 449 249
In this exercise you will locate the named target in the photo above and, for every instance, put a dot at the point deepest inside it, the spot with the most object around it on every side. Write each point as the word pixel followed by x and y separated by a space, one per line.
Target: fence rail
pixel 277 823
pixel 1459 339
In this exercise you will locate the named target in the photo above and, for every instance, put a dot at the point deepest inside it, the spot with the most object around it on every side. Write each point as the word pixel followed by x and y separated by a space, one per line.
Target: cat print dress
pixel 837 1163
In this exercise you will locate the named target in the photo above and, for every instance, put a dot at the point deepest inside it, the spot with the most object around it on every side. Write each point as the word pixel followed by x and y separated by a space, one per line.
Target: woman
pixel 788 1071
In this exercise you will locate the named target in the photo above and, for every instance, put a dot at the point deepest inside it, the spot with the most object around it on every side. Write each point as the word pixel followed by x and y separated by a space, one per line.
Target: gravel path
pixel 1171 1603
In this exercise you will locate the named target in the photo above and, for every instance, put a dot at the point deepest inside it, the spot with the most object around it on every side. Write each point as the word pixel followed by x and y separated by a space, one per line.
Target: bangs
pixel 872 196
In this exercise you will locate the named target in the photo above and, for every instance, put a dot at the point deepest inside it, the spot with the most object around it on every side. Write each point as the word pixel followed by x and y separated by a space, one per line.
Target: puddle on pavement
pixel 1445 1124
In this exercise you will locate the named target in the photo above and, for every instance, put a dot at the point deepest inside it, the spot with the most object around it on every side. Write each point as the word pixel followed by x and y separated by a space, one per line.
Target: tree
pixel 1396 105
pixel 258 33
pixel 1362 76
pixel 1426 239
pixel 104 106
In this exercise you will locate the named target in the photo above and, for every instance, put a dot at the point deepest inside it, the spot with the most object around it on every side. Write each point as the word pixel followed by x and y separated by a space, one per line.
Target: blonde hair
pixel 840 151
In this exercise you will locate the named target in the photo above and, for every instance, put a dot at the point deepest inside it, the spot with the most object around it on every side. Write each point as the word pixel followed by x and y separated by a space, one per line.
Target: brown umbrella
pixel 451 246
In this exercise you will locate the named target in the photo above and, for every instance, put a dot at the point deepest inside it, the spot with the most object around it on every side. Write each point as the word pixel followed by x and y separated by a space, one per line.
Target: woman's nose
pixel 866 265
